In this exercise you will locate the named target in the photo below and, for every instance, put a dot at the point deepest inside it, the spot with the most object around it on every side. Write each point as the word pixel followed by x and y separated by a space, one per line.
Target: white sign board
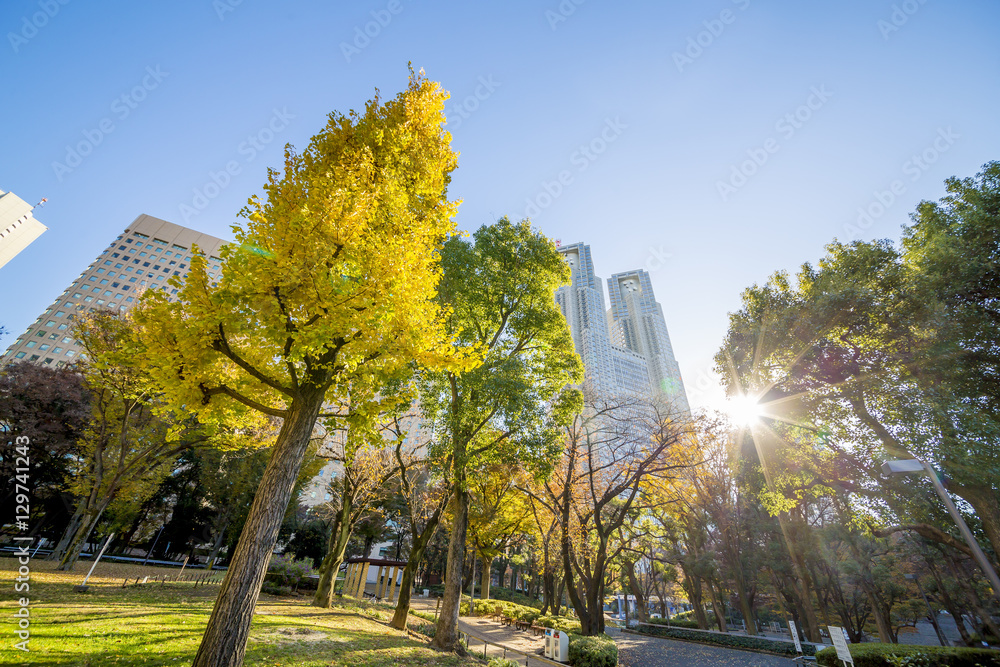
pixel 840 644
pixel 795 636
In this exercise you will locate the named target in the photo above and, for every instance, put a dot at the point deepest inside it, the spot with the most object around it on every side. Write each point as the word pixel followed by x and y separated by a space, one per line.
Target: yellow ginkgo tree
pixel 332 277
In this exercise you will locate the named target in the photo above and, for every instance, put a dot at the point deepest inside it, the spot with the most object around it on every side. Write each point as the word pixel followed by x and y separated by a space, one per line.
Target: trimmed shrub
pixel 898 655
pixel 559 623
pixel 597 651
pixel 732 641
pixel 286 572
pixel 488 607
pixel 498 593
pixel 676 622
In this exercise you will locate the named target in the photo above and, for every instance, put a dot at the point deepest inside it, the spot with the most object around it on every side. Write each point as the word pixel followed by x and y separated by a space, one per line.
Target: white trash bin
pixel 560 646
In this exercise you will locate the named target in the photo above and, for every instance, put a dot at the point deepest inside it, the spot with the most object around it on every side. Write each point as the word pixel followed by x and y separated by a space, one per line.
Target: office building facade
pixel 626 349
pixel 142 257
pixel 18 226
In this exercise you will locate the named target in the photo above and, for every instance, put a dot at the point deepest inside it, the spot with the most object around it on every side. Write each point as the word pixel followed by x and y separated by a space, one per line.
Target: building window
pixel 70 353
pixel 50 323
pixel 30 343
pixel 41 334
pixel 43 347
pixel 48 360
pixel 56 350
pixel 34 357
pixel 19 355
pixel 61 313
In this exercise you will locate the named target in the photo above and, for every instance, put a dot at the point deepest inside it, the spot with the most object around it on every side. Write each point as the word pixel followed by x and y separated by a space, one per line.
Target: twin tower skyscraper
pixel 625 349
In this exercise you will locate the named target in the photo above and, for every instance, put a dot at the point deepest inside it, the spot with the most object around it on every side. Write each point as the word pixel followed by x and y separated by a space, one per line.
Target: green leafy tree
pixel 499 289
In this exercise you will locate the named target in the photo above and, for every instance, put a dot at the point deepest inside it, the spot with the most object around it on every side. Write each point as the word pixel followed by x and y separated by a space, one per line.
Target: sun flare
pixel 744 410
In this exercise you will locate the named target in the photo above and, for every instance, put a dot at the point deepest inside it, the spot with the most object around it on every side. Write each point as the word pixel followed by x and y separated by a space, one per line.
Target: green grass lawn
pixel 162 625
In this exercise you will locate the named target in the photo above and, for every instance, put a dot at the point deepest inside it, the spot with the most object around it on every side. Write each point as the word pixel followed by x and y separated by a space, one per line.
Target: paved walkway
pixel 522 647
pixel 639 650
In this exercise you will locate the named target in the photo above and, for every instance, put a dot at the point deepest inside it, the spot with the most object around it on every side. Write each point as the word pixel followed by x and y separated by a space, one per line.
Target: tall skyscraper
pixel 18 227
pixel 626 349
pixel 142 257
pixel 637 324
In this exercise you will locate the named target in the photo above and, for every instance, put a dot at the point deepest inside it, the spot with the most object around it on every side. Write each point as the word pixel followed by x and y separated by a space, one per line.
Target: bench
pixel 506 620
pixel 538 630
pixel 522 625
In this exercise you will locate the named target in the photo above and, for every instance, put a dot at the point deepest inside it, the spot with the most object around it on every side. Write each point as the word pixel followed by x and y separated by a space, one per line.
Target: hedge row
pixel 489 607
pixel 720 639
pixel 675 622
pixel 598 651
pixel 562 623
pixel 887 655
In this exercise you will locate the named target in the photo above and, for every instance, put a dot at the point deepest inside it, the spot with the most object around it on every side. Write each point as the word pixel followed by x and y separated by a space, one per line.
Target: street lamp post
pixel 916 465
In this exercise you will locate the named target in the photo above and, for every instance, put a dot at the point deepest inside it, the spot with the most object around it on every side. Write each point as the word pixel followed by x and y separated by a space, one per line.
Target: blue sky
pixel 711 143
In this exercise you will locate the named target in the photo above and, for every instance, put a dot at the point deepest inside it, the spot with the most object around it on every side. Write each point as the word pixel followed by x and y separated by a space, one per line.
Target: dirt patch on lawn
pixel 293 634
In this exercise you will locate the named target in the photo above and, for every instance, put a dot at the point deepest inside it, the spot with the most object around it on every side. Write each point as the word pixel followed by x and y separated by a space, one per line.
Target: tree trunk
pixel 225 639
pixel 420 543
pixel 340 535
pixel 484 593
pixel 949 604
pixel 641 613
pixel 67 536
pixel 803 582
pixel 409 573
pixel 87 524
pixel 693 587
pixel 557 609
pixel 741 594
pixel 446 635
pixel 717 608
pixel 548 588
pixel 217 545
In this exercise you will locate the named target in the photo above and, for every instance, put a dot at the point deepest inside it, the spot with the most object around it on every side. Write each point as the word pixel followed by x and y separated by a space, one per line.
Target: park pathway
pixel 633 650
pixel 642 651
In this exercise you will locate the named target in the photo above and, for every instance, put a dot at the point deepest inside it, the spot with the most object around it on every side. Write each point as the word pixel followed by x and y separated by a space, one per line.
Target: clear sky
pixel 648 112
